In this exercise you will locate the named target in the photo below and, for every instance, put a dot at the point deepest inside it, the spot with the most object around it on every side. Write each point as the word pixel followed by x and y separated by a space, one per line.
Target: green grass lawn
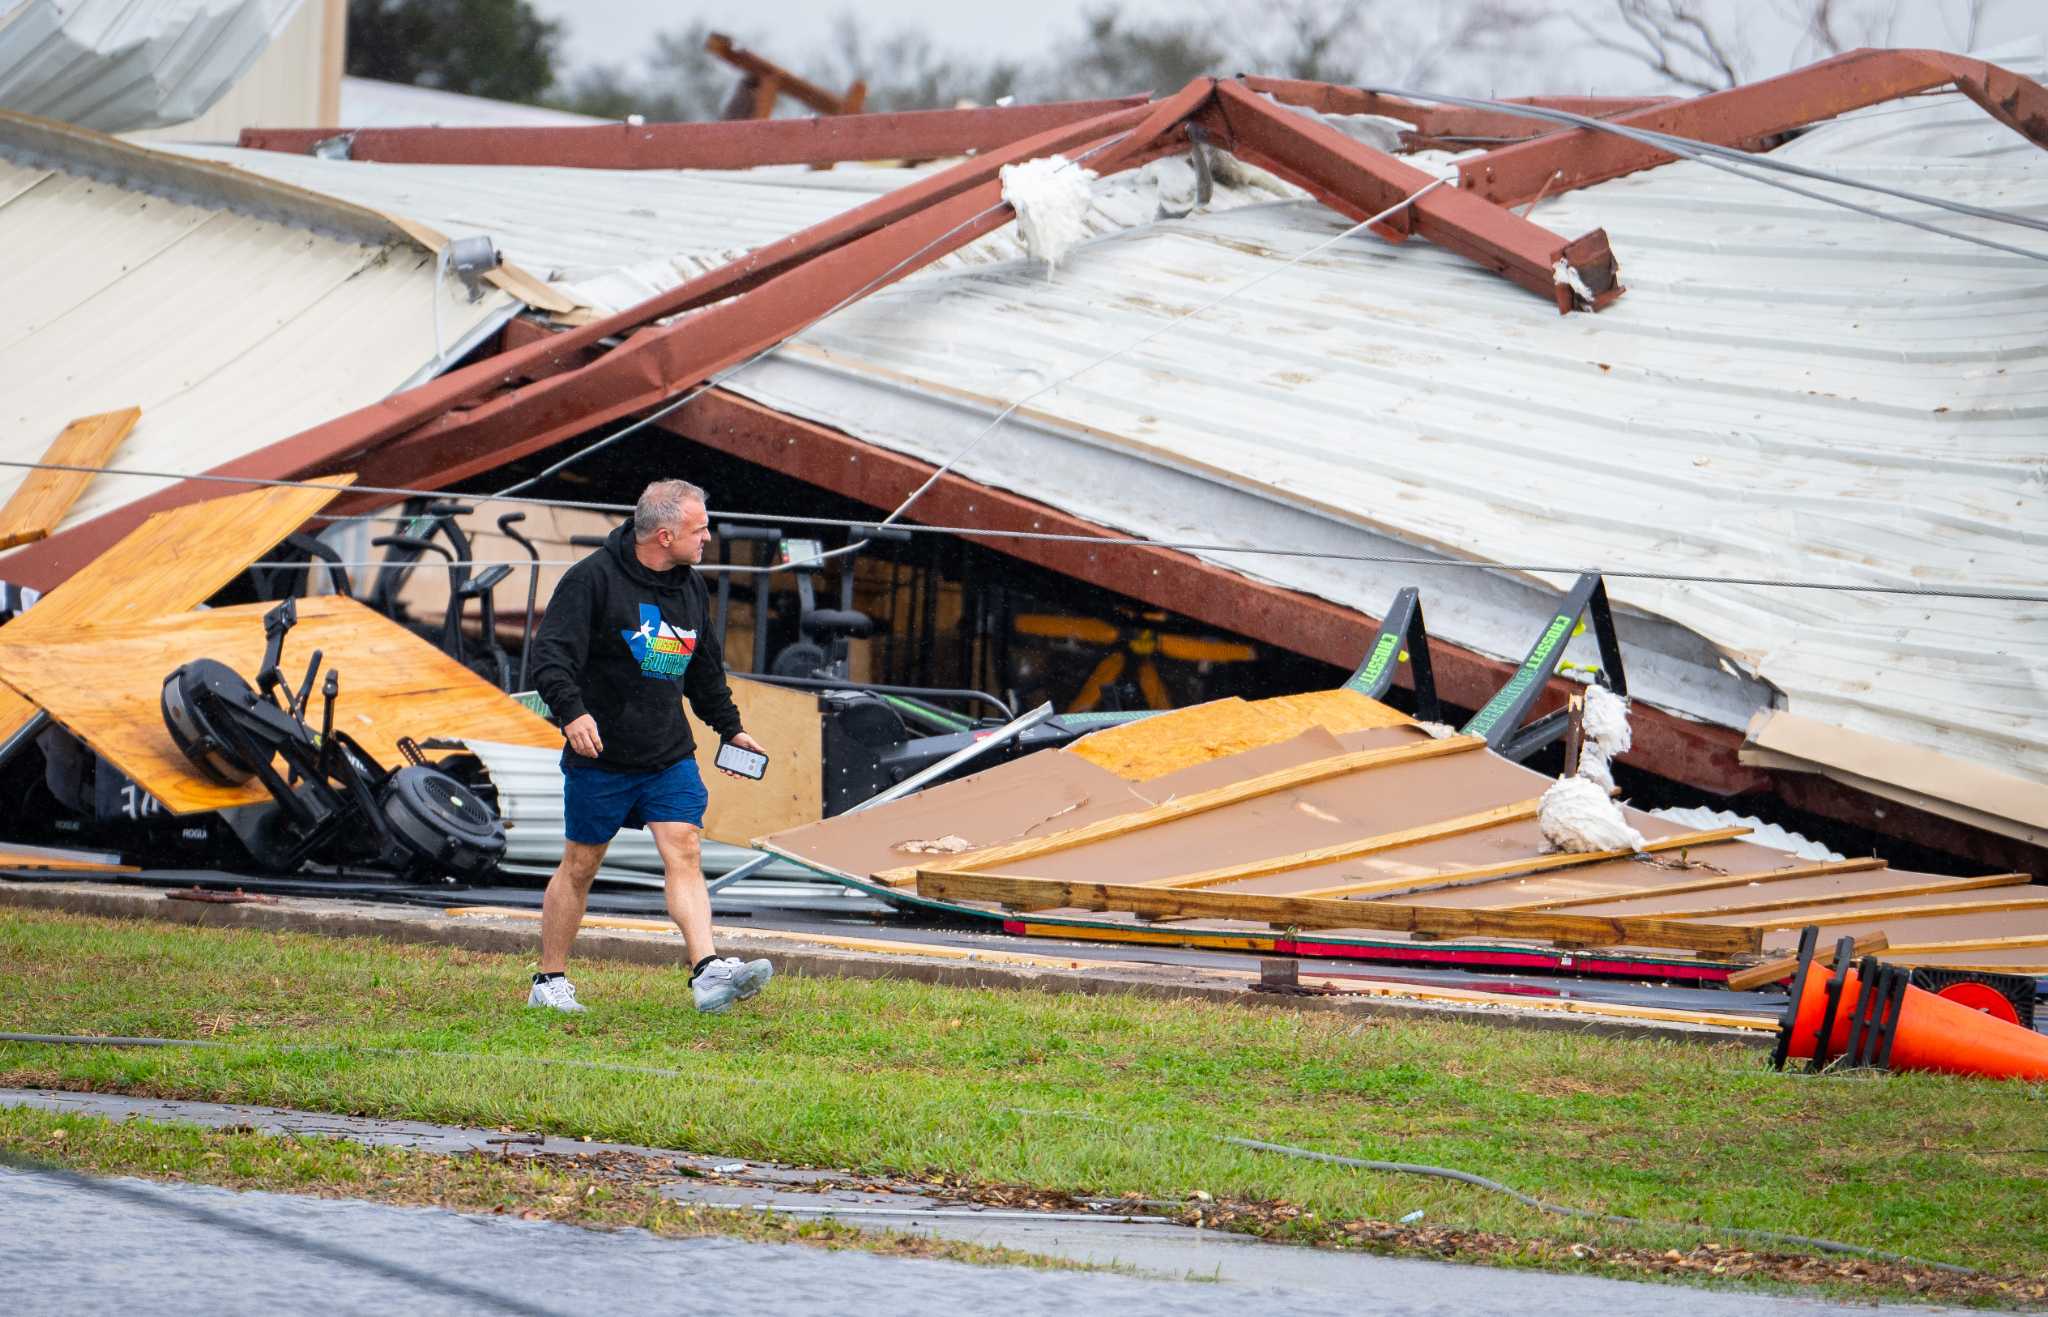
pixel 900 1077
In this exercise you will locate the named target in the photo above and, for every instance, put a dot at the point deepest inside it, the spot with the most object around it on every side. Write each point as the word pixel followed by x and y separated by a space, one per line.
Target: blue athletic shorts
pixel 597 802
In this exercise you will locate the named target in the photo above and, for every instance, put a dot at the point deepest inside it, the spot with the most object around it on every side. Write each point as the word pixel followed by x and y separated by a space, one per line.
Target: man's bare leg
pixel 688 903
pixel 561 909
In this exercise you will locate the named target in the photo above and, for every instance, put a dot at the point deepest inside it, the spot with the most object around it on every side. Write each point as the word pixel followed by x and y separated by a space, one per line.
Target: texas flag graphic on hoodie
pixel 661 650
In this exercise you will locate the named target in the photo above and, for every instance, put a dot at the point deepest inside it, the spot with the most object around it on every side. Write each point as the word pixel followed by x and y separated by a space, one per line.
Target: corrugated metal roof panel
pixel 613 238
pixel 1789 389
pixel 234 313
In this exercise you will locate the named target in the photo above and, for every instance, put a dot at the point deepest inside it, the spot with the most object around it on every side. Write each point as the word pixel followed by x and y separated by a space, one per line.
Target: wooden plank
pixel 1756 906
pixel 1974 944
pixel 172 562
pixel 1351 850
pixel 1817 869
pixel 1304 912
pixel 1861 915
pixel 1486 873
pixel 1770 971
pixel 1200 802
pixel 107 689
pixel 44 496
pixel 17 859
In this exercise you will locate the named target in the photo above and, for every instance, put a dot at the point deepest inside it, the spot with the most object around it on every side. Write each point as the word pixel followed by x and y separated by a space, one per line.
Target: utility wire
pixel 2023 595
pixel 1716 156
pixel 1495 1186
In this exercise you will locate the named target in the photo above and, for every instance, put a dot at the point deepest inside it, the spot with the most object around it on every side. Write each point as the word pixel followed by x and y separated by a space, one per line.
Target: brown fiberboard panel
pixel 107 688
pixel 44 496
pixel 1027 797
pixel 787 722
pixel 1315 804
pixel 1154 747
pixel 172 562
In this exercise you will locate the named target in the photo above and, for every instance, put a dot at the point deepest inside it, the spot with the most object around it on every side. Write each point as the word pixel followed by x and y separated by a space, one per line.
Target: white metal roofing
pixel 119 65
pixel 233 311
pixel 373 103
pixel 612 238
pixel 1788 390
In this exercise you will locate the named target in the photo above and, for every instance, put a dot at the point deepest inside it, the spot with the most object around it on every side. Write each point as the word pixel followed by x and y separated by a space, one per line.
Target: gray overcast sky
pixel 620 31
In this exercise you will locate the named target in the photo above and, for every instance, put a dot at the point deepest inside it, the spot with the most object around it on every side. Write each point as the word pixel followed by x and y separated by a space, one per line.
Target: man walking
pixel 626 634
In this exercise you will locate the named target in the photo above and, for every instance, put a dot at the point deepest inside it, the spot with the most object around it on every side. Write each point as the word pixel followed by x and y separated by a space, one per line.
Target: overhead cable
pixel 2022 595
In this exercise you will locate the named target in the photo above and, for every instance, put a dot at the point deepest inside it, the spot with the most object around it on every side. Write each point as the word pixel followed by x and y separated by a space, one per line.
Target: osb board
pixel 172 562
pixel 1153 747
pixel 107 689
pixel 44 496
pixel 786 721
pixel 1028 797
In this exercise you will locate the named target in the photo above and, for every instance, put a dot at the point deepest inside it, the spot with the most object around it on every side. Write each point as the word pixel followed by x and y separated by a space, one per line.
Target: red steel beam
pixel 1444 125
pixel 832 139
pixel 1358 181
pixel 1697 753
pixel 1579 157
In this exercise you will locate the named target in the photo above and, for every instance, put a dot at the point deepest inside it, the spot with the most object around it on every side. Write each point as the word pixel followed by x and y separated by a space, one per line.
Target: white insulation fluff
pixel 1051 198
pixel 1606 721
pixel 1576 815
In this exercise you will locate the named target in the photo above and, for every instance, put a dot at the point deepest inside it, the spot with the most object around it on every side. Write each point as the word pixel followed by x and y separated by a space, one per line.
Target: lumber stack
pixel 1374 837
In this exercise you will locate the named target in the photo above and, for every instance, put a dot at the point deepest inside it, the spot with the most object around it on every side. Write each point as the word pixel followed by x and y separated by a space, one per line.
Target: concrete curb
pixel 327 917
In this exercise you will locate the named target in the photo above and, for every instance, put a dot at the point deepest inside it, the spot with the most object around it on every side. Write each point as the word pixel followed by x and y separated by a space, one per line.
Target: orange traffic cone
pixel 1930 1032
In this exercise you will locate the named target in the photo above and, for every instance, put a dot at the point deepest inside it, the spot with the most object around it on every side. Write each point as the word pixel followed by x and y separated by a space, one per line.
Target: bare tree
pixel 1672 39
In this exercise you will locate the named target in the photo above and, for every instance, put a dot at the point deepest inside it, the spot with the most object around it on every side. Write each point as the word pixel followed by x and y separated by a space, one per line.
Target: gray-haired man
pixel 626 627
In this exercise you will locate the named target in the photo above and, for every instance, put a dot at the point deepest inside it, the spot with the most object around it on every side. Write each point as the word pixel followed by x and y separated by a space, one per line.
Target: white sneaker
pixel 727 980
pixel 556 995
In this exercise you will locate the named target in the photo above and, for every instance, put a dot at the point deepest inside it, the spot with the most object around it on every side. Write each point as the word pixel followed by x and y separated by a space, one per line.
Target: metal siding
pixel 229 331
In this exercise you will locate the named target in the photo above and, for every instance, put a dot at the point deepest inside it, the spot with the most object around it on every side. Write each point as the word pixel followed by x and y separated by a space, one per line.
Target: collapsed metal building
pixel 1579 352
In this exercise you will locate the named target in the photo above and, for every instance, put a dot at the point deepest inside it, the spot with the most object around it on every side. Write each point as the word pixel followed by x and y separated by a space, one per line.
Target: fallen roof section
pixel 106 689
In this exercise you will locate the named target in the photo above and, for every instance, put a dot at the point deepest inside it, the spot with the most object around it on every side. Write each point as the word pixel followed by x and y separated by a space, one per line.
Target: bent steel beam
pixel 1356 180
pixel 833 139
pixel 1579 157
pixel 1444 126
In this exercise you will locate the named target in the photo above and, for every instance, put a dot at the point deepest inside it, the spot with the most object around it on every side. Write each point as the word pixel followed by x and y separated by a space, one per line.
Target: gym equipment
pixel 333 801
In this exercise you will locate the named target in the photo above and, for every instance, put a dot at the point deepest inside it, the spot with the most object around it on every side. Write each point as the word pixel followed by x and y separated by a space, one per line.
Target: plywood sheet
pixel 1153 747
pixel 1840 890
pixel 1904 931
pixel 787 722
pixel 172 562
pixel 44 496
pixel 106 689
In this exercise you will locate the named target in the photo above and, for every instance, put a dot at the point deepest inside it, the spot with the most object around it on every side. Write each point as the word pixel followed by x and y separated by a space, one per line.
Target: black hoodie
pixel 616 640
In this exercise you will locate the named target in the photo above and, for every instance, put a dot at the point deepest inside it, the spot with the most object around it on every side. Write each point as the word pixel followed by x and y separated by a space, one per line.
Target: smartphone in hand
pixel 747 763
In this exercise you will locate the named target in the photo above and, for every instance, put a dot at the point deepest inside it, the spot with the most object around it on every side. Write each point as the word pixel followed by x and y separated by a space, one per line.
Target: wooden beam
pixel 1757 907
pixel 1818 869
pixel 1486 873
pixel 44 496
pixel 1200 802
pixel 1856 915
pixel 1783 967
pixel 1302 912
pixel 1351 850
pixel 1975 944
